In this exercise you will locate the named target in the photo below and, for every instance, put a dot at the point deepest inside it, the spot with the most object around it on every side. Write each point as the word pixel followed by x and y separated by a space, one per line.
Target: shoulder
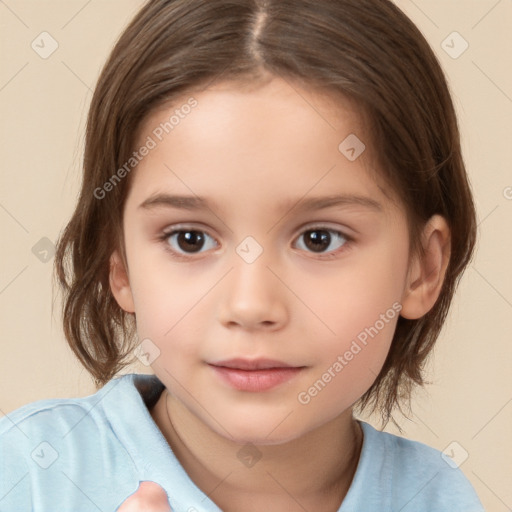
pixel 49 444
pixel 42 425
pixel 419 477
pixel 52 414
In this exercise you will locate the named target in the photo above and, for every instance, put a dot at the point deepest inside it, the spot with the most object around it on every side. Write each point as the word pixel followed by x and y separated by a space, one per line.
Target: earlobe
pixel 427 272
pixel 120 284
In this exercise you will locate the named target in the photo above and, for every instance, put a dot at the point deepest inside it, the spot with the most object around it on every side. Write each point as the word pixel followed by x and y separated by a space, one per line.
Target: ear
pixel 120 284
pixel 426 273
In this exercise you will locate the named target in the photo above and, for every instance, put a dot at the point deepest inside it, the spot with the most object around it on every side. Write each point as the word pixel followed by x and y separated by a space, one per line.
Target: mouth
pixel 252 364
pixel 255 375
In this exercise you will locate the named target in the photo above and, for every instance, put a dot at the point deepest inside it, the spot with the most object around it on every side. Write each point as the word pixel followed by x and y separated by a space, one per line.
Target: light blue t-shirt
pixel 89 454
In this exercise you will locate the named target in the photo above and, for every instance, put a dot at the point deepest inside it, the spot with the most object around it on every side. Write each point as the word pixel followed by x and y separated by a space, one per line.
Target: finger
pixel 149 497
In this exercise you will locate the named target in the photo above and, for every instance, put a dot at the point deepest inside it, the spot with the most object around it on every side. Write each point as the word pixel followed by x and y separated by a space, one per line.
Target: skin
pixel 149 497
pixel 247 150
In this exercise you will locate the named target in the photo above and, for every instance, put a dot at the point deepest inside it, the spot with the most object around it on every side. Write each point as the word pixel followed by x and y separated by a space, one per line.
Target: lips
pixel 255 375
pixel 252 364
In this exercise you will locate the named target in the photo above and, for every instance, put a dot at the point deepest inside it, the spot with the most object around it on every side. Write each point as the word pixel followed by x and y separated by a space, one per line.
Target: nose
pixel 253 297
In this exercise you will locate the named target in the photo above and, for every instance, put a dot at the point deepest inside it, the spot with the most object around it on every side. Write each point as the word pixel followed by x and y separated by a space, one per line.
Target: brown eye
pixel 319 239
pixel 186 241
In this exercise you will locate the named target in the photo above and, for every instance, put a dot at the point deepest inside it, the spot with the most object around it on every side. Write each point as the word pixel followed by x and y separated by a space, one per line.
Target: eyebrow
pixel 195 203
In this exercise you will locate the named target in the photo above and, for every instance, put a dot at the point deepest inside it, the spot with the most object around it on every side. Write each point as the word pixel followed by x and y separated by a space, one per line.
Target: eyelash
pixel 164 237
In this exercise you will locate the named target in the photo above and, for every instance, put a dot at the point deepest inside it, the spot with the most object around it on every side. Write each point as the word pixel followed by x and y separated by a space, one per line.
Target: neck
pixel 312 472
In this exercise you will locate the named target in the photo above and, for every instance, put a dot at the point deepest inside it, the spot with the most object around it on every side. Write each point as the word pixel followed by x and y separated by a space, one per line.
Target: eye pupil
pixel 190 239
pixel 320 239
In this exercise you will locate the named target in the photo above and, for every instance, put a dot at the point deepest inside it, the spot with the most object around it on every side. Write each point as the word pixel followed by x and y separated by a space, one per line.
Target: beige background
pixel 44 103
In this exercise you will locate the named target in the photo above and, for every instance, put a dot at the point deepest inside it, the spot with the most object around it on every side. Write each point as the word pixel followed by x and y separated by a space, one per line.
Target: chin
pixel 262 433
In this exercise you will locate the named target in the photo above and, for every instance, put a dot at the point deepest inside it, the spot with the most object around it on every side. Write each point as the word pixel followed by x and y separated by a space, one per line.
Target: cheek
pixel 162 298
pixel 359 310
pixel 349 362
pixel 356 296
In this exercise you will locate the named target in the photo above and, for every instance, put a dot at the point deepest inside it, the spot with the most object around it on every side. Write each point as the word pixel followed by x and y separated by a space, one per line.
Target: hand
pixel 149 497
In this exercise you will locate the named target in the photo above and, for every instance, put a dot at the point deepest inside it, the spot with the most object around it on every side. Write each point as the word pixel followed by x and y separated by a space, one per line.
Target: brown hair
pixel 366 50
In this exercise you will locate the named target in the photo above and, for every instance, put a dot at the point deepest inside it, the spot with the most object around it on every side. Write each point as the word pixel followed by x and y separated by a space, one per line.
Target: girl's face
pixel 283 248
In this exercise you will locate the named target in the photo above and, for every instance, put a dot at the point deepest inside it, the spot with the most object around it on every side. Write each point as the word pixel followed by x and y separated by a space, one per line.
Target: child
pixel 311 151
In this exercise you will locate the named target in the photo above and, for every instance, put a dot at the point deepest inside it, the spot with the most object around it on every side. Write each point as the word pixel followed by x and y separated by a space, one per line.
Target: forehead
pixel 278 96
pixel 268 139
